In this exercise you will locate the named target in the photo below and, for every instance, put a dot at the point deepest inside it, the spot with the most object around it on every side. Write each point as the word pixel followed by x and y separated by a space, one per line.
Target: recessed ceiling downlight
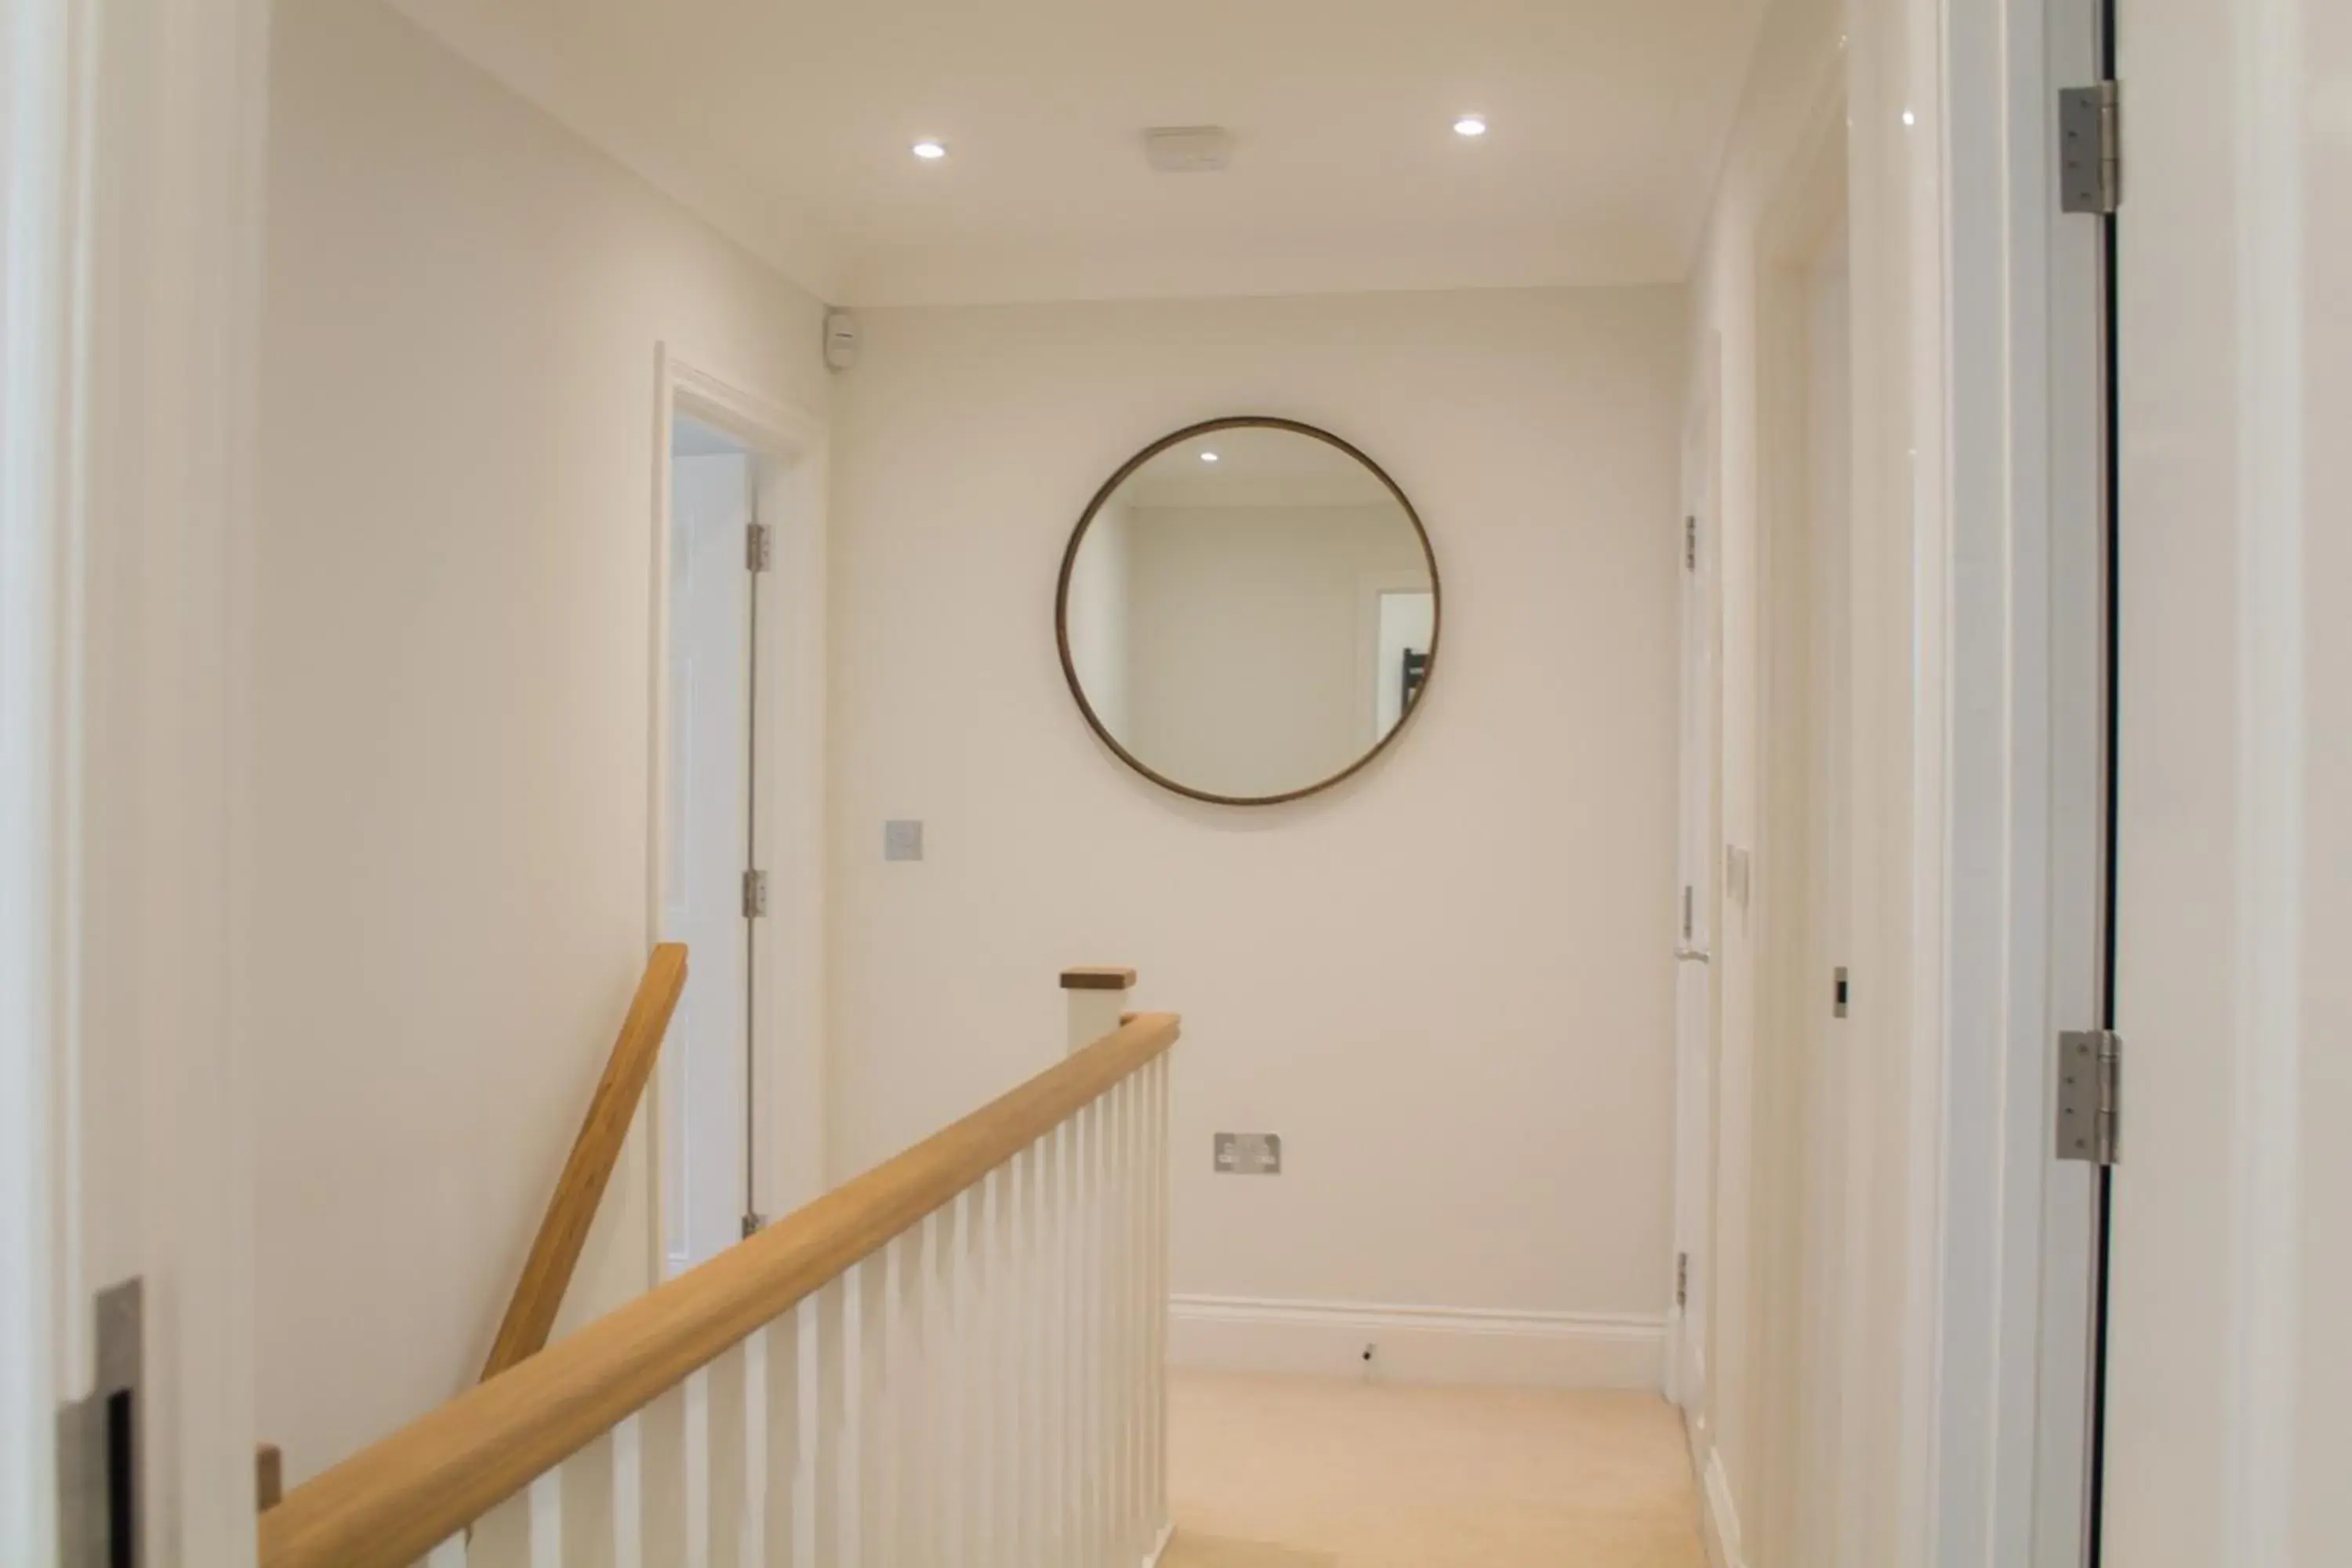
pixel 1470 125
pixel 930 152
pixel 1208 456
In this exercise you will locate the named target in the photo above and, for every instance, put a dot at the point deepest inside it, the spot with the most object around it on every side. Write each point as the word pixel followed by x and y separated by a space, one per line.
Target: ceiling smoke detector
pixel 1187 149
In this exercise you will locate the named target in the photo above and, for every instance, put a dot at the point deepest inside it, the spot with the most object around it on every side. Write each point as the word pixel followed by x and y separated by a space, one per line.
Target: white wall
pixel 452 603
pixel 1446 982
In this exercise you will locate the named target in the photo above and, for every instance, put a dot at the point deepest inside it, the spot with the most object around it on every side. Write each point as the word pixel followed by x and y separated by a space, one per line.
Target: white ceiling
pixel 787 123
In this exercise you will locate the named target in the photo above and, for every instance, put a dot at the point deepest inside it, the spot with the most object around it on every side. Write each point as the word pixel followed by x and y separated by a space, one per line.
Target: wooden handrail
pixel 547 1274
pixel 388 1505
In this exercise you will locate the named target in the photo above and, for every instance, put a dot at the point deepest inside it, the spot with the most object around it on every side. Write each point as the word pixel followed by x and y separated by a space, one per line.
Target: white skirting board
pixel 1718 1516
pixel 1416 1344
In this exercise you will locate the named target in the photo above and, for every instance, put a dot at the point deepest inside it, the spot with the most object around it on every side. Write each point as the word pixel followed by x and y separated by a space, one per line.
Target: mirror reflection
pixel 1249 611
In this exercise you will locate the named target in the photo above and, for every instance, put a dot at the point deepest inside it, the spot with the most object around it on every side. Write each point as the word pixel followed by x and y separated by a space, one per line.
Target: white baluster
pixel 1065 1389
pixel 1126 1314
pixel 837 1451
pixel 947 1439
pixel 1003 1339
pixel 875 1424
pixel 1147 1284
pixel 697 1469
pixel 1162 1195
pixel 546 1496
pixel 981 1453
pixel 1129 1315
pixel 1114 1246
pixel 1072 1316
pixel 1004 1327
pixel 586 1509
pixel 721 1489
pixel 1108 1348
pixel 786 1453
pixel 914 1368
pixel 751 1463
pixel 501 1537
pixel 808 1434
pixel 1028 1353
pixel 629 1494
pixel 1090 1325
pixel 1053 1431
pixel 661 1459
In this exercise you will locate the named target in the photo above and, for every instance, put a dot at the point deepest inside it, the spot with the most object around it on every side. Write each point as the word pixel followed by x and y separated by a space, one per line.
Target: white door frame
pixel 133 172
pixel 788 1021
pixel 2001 1337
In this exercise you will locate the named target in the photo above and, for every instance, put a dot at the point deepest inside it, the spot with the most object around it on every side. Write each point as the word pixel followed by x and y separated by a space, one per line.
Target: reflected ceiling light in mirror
pixel 930 152
pixel 1470 125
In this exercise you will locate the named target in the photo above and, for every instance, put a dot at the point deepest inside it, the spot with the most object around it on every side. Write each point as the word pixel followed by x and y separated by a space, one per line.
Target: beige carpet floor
pixel 1289 1472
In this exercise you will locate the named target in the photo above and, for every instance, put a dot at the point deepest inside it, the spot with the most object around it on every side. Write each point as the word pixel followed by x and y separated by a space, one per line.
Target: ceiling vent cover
pixel 1189 148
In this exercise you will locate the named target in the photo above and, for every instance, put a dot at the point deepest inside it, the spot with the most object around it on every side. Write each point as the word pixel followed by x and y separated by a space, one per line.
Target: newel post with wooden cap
pixel 1097 996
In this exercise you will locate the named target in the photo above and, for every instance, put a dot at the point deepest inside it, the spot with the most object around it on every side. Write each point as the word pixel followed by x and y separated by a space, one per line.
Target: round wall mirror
pixel 1248 611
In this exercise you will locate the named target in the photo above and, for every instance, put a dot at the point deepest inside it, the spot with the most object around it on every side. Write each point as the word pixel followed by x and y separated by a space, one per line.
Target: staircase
pixel 956 1359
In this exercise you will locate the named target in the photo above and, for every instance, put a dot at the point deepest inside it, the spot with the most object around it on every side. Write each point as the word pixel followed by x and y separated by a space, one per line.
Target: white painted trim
pixel 788 1020
pixel 1718 1515
pixel 39 526
pixel 1159 1546
pixel 132 165
pixel 1417 1344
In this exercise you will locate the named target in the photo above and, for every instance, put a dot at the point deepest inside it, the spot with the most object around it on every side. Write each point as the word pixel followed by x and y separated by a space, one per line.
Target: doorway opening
pixel 736 795
pixel 737 809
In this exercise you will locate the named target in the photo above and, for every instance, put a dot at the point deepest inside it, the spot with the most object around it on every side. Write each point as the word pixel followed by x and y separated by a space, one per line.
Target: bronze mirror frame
pixel 1110 487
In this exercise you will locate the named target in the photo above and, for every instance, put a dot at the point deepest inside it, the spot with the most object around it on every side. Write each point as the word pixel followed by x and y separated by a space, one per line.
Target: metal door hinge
pixel 755 894
pixel 2090 1090
pixel 2090 149
pixel 757 547
pixel 1841 991
pixel 1681 1278
pixel 1690 545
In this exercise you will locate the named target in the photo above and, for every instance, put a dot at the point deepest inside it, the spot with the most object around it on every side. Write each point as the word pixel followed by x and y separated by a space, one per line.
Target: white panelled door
pixel 705 1083
pixel 2230 1282
pixel 1695 1008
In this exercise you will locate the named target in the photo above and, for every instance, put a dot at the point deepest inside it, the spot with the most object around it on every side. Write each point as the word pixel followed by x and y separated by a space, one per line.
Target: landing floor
pixel 1291 1472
